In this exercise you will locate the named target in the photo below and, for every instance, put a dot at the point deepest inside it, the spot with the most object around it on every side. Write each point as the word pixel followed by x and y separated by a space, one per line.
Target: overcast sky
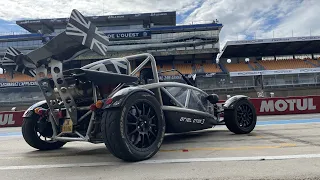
pixel 242 19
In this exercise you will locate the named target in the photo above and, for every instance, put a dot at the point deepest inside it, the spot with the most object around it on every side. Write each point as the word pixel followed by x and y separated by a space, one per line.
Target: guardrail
pixel 264 106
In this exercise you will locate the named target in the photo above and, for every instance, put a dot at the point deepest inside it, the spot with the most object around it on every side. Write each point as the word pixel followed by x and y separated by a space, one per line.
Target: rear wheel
pixel 242 118
pixel 37 133
pixel 135 131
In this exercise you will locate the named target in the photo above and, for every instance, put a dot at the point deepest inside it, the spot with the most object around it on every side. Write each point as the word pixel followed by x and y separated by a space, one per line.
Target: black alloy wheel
pixel 245 115
pixel 134 131
pixel 242 118
pixel 141 125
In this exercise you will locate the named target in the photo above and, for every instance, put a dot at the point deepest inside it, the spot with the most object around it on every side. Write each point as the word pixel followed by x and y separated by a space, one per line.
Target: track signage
pixel 281 105
pixel 274 72
pixel 18 84
pixel 285 105
pixel 129 35
pixel 264 106
pixel 11 119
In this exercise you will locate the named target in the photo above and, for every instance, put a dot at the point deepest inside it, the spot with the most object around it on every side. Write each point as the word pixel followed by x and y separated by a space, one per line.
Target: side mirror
pixel 213 98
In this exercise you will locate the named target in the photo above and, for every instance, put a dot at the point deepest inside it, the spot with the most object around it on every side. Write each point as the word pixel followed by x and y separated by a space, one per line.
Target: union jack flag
pixel 13 59
pixel 82 30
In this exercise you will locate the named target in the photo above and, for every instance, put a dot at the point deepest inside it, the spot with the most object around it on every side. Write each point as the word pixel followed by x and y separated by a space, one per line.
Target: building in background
pixel 288 66
pixel 189 48
pixel 156 33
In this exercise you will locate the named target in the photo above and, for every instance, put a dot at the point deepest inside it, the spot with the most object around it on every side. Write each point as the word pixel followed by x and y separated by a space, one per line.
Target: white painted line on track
pixel 223 159
pixel 293 116
pixel 164 161
pixel 305 123
pixel 58 166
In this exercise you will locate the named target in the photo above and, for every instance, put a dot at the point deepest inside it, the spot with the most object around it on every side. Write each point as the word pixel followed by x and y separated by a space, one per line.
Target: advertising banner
pixel 11 119
pixel 285 105
pixel 275 40
pixel 245 73
pixel 129 35
pixel 18 84
pixel 275 72
pixel 134 35
pixel 264 106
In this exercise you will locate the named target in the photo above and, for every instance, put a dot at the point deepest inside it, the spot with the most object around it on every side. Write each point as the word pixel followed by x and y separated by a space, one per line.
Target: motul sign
pixel 289 105
pixel 285 105
pixel 6 119
pixel 11 119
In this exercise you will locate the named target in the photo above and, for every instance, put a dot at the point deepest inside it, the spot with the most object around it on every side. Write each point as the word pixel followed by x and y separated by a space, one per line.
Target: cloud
pixel 300 21
pixel 30 9
pixel 242 19
pixel 245 19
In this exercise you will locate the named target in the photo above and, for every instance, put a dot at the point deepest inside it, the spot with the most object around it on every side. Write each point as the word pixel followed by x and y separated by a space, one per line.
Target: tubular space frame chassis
pixel 71 108
pixel 55 104
pixel 68 101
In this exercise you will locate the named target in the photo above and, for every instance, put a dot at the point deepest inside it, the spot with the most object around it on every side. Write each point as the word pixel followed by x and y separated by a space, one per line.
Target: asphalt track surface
pixel 281 147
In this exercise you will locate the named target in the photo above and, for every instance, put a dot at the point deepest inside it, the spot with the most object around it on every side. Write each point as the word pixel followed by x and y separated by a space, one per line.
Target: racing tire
pixel 242 118
pixel 30 135
pixel 131 137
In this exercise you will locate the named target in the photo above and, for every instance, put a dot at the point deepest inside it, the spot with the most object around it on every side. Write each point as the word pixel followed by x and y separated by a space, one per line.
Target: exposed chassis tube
pixel 86 138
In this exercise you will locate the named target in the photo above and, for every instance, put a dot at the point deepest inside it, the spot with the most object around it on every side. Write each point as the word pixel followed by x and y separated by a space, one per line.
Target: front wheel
pixel 242 118
pixel 37 133
pixel 135 131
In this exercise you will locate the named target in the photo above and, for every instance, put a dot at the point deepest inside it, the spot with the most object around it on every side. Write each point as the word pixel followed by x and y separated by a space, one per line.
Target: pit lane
pixel 279 147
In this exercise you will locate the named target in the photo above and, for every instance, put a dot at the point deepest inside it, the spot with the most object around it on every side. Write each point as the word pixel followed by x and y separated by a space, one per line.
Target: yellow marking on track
pixel 229 148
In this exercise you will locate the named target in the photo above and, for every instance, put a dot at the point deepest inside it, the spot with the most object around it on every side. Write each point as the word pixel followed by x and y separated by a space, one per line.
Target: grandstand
pixel 272 54
pixel 266 65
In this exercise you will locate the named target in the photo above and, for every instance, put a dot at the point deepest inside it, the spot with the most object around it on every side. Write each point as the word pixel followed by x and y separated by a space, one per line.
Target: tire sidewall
pixel 30 136
pixel 153 102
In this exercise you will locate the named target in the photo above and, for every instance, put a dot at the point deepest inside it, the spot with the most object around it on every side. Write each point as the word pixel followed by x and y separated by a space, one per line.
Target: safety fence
pixel 264 106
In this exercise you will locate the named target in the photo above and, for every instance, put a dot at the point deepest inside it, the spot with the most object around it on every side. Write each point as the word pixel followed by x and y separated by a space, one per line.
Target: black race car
pixel 108 102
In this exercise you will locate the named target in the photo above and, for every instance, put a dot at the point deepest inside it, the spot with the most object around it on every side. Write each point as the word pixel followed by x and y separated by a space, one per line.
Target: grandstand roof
pixel 158 18
pixel 271 47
